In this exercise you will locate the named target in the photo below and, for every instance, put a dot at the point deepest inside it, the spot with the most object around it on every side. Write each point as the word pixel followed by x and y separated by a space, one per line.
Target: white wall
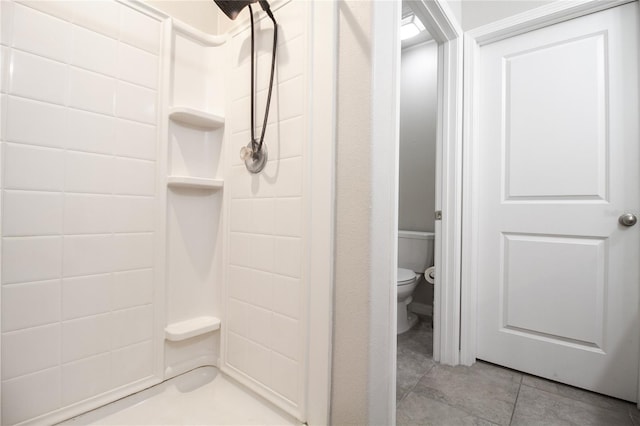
pixel 79 197
pixel 475 13
pixel 267 252
pixel 363 386
pixel 350 393
pixel 200 14
pixel 456 8
pixel 418 119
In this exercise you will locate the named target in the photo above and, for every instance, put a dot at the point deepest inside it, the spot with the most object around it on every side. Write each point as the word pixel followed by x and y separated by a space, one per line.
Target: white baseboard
pixel 421 308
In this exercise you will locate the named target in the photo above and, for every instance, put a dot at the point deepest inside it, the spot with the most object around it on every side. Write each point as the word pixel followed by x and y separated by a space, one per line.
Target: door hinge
pixel 438 214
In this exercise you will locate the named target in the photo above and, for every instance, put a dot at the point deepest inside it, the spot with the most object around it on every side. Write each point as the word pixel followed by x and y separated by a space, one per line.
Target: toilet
pixel 415 254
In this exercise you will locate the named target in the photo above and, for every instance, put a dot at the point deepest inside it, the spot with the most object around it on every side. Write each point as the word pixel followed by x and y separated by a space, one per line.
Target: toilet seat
pixel 406 276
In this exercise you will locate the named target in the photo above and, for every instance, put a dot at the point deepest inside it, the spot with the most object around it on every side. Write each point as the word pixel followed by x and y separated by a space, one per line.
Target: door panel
pixel 558 275
pixel 563 80
pixel 526 287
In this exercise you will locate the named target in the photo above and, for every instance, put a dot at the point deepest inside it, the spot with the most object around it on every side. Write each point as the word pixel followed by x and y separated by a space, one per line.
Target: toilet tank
pixel 415 250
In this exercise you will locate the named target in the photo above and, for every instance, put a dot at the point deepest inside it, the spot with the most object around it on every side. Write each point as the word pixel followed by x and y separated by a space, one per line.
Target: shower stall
pixel 135 245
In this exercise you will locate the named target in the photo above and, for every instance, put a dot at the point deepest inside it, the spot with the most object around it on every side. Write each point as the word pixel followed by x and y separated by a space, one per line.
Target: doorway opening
pixel 416 199
pixel 430 145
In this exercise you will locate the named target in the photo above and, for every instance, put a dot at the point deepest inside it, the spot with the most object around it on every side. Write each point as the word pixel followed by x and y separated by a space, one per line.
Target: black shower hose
pixel 257 145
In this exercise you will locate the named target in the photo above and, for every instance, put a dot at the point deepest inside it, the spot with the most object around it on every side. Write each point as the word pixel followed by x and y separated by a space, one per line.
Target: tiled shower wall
pixel 79 137
pixel 267 250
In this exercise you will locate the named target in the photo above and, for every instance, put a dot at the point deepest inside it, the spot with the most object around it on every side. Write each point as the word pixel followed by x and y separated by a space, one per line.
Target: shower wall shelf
pixel 194 182
pixel 183 330
pixel 194 125
pixel 196 117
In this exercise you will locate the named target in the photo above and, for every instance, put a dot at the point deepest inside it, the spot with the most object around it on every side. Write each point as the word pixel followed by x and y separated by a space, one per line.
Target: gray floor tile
pixel 634 413
pixel 411 367
pixel 483 390
pixel 485 394
pixel 577 394
pixel 419 339
pixel 538 407
pixel 418 409
pixel 402 418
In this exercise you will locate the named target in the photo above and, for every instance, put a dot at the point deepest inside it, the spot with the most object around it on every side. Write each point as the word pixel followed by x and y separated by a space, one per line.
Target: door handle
pixel 628 219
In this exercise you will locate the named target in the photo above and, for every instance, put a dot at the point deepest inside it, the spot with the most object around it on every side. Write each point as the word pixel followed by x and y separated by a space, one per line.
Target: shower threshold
pixel 202 396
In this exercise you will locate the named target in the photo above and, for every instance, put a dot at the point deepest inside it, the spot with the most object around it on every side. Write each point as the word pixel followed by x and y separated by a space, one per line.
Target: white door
pixel 558 163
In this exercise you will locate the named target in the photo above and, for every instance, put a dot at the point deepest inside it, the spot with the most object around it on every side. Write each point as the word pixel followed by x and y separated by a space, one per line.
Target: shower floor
pixel 202 396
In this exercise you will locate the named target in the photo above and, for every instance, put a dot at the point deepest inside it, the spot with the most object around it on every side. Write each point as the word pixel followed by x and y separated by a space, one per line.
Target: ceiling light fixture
pixel 410 26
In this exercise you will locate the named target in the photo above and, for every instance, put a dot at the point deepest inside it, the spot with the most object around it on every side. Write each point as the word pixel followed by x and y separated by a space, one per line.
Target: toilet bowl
pixel 407 280
pixel 415 254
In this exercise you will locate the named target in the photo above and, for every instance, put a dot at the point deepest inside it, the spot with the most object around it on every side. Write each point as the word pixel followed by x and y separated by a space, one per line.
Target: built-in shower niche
pixel 194 266
pixel 194 155
pixel 196 109
pixel 195 132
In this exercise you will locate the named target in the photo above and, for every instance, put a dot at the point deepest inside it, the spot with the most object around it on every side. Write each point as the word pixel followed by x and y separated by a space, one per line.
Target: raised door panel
pixel 556 121
pixel 544 298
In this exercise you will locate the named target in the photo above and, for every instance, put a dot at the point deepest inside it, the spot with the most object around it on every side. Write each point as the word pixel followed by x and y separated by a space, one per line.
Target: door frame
pixel 531 20
pixel 443 26
pixel 441 23
pixel 322 134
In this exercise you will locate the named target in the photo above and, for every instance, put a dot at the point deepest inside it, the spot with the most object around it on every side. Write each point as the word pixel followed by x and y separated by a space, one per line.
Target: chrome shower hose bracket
pixel 254 161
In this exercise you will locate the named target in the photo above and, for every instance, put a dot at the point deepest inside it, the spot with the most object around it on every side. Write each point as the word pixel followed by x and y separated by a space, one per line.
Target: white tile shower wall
pixel 79 201
pixel 265 271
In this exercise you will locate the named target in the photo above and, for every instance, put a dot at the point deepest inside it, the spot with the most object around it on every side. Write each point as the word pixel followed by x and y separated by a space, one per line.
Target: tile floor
pixel 485 394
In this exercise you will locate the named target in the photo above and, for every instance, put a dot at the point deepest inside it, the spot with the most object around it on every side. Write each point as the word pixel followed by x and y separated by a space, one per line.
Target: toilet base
pixel 406 319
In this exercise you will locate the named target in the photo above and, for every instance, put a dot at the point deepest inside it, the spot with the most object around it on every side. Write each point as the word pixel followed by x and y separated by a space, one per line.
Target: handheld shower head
pixel 254 154
pixel 232 8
